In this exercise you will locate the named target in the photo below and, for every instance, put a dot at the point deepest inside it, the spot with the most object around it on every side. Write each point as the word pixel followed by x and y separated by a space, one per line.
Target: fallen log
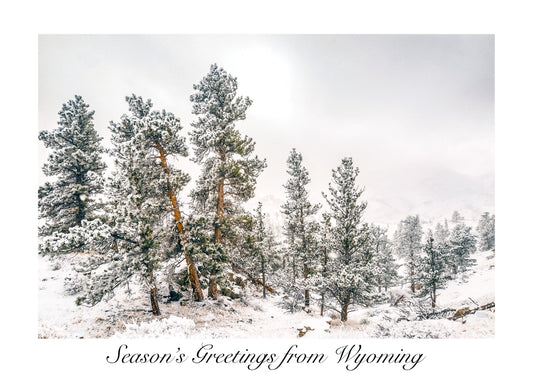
pixel 460 313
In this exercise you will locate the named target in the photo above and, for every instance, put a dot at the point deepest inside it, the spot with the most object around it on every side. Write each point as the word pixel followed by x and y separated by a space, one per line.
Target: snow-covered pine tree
pixel 300 227
pixel 229 168
pixel 211 258
pixel 486 232
pixel 408 244
pixel 261 255
pixel 432 270
pixel 77 166
pixel 442 243
pixel 351 270
pixel 386 266
pixel 140 213
pixel 161 133
pixel 462 245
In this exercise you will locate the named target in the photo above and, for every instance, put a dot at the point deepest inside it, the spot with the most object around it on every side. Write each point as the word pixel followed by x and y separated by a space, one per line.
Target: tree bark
pixel 344 310
pixel 193 272
pixel 153 299
pixel 220 211
pixel 306 292
pixel 212 291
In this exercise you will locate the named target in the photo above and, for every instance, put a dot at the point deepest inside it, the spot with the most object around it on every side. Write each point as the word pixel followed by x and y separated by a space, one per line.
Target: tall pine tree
pixel 140 212
pixel 300 227
pixel 351 271
pixel 229 168
pixel 77 167
pixel 432 270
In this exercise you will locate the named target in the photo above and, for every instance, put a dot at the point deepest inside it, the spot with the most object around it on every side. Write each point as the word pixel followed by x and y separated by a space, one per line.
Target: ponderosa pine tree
pixel 351 269
pixel 432 270
pixel 161 133
pixel 140 213
pixel 486 232
pixel 229 168
pixel 300 227
pixel 77 166
pixel 408 244
pixel 386 268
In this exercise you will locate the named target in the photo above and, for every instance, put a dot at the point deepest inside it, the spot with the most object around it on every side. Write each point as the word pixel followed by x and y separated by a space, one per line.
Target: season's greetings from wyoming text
pixel 351 356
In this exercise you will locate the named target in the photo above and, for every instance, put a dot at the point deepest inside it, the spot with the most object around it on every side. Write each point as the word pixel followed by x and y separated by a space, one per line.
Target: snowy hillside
pixel 127 314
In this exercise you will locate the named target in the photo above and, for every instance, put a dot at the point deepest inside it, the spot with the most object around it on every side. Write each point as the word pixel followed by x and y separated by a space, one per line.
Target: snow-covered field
pixel 127 314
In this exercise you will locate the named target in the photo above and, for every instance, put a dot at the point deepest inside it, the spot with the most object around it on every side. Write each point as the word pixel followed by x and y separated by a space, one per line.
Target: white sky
pixel 416 112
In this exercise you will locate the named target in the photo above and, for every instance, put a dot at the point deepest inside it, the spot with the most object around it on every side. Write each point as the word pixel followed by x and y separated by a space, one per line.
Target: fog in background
pixel 415 112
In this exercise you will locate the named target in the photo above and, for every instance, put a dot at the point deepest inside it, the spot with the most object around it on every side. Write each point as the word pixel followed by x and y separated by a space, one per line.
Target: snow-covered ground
pixel 127 314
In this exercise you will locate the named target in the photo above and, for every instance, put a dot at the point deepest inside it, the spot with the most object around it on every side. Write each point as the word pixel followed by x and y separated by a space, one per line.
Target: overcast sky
pixel 415 112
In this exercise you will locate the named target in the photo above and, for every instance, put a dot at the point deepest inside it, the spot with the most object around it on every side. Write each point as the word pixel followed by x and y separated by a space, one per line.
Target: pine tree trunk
pixel 433 296
pixel 412 275
pixel 193 272
pixel 344 310
pixel 293 269
pixel 263 275
pixel 212 291
pixel 322 301
pixel 153 299
pixel 220 211
pixel 306 292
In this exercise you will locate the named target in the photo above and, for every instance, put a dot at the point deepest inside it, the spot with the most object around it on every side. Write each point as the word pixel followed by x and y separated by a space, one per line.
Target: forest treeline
pixel 130 223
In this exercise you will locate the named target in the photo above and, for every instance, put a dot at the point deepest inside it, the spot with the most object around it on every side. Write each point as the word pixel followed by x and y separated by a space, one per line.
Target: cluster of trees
pixel 133 221
pixel 342 259
pixel 133 225
pixel 346 261
pixel 442 254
